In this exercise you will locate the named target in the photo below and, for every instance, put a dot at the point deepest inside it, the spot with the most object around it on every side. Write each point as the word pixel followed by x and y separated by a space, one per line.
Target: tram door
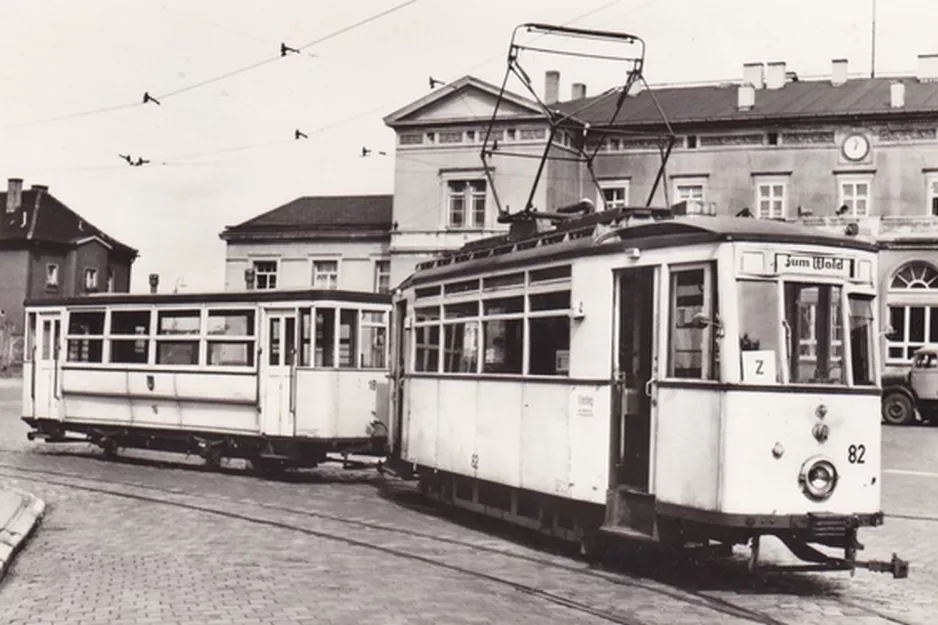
pixel 631 431
pixel 46 370
pixel 399 353
pixel 279 371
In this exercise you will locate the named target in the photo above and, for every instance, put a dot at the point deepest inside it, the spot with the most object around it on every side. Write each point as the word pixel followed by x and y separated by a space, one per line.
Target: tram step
pixel 620 531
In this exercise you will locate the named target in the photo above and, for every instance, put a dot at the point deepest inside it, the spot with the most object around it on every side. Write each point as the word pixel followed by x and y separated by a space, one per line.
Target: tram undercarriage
pixel 595 527
pixel 267 454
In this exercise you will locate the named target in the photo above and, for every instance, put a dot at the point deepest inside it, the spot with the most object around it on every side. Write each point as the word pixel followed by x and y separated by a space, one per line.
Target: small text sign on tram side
pixel 811 264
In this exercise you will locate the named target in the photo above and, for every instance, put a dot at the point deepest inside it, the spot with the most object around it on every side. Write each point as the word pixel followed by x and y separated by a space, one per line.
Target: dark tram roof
pixel 576 238
pixel 238 297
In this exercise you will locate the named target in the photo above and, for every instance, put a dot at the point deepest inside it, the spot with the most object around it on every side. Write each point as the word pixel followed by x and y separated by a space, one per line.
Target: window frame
pixel 314 273
pixel 854 179
pixel 931 194
pixel 709 338
pixel 379 263
pixel 257 273
pixel 90 286
pixel 54 283
pixel 703 181
pixel 770 181
pixel 613 184
pixel 467 178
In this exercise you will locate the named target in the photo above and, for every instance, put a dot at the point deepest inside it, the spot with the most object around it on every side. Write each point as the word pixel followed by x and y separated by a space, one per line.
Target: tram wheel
pixel 109 447
pixel 898 409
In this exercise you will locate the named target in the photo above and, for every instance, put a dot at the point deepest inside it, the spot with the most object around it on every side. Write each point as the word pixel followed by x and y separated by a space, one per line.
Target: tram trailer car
pixel 280 378
pixel 690 381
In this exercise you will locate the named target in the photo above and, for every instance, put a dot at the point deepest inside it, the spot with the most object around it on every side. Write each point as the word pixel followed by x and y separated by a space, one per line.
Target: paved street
pixel 142 541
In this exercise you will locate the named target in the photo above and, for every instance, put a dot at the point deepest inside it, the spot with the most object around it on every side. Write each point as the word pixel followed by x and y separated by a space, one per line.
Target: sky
pixel 221 140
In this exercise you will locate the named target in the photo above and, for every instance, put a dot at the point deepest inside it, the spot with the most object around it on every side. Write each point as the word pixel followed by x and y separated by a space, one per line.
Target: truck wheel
pixel 897 409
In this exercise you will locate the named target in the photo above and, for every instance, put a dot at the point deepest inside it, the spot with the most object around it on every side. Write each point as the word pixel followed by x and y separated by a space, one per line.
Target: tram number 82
pixel 855 454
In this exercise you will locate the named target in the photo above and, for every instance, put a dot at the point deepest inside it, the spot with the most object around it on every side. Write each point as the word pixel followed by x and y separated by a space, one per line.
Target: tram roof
pixel 211 297
pixel 573 239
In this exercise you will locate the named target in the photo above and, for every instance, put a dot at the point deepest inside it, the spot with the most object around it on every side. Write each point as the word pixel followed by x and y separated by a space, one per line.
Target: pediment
pixel 465 99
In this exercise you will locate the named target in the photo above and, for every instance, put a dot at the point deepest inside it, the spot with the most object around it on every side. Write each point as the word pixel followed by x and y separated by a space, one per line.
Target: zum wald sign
pixel 811 264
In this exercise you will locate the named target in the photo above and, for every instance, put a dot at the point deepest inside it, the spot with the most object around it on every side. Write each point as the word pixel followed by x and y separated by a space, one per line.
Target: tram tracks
pixel 430 556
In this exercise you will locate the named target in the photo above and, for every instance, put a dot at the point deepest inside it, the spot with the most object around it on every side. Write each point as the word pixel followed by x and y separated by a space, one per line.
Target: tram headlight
pixel 818 478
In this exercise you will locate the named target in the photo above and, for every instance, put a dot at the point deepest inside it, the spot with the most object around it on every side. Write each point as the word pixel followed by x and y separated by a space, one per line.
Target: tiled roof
pixel 48 219
pixel 796 100
pixel 335 214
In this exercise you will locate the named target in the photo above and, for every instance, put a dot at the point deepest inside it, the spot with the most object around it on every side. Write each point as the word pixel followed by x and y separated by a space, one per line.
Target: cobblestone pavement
pixel 100 558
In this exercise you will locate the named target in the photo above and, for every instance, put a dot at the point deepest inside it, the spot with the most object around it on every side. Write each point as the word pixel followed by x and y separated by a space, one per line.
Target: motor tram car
pixel 280 378
pixel 639 375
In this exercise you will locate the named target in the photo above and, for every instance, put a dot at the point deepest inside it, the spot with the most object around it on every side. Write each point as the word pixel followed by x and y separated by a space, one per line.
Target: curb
pixel 20 514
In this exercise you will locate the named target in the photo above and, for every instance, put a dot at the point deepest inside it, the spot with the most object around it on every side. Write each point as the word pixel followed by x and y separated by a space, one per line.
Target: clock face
pixel 856 147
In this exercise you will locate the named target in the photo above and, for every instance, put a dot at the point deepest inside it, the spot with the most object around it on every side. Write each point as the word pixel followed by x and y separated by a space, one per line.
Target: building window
pixel 854 194
pixel 91 279
pixel 325 274
pixel 615 193
pixel 52 276
pixel 771 197
pixel 265 274
pixel 465 201
pixel 693 191
pixel 932 194
pixel 913 315
pixel 382 276
pixel 110 281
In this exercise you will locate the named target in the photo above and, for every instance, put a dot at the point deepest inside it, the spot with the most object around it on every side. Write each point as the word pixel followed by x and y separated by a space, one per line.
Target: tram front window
pixel 814 332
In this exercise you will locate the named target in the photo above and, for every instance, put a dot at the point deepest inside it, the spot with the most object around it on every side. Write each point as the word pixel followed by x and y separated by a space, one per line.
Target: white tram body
pixel 280 378
pixel 679 380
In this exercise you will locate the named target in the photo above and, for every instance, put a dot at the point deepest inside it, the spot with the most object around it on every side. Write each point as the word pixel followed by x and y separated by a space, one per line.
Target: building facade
pixel 47 250
pixel 828 152
pixel 325 242
pixel 442 197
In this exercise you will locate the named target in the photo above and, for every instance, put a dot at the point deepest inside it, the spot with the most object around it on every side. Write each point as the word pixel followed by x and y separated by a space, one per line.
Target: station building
pixel 827 151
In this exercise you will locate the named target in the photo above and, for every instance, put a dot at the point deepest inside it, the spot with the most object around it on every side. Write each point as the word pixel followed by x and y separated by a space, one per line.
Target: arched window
pixel 914 322
pixel 915 276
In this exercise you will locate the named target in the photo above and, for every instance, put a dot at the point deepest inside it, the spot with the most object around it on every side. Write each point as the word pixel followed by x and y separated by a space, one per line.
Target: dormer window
pixel 52 276
pixel 91 279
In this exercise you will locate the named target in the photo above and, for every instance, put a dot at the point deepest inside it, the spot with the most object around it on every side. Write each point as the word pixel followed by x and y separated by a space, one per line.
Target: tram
pixel 637 374
pixel 280 378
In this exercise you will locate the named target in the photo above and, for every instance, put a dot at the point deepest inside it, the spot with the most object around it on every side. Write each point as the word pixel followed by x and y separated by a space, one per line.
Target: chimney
pixel 927 67
pixel 41 187
pixel 249 278
pixel 14 194
pixel 746 97
pixel 154 282
pixel 897 94
pixel 578 91
pixel 754 74
pixel 839 72
pixel 551 86
pixel 775 75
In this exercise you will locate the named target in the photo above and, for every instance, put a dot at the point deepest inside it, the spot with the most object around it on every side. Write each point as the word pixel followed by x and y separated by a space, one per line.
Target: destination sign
pixel 814 265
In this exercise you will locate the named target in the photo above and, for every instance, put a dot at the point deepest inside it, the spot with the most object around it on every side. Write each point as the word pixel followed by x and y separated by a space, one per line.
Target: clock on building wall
pixel 855 147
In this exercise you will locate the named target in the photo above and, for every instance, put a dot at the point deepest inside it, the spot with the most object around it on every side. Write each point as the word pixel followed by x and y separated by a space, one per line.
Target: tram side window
pixel 693 318
pixel 814 329
pixel 374 340
pixel 130 330
pixel 86 337
pixel 503 339
pixel 230 337
pixel 172 348
pixel 306 333
pixel 461 337
pixel 861 339
pixel 427 339
pixel 759 331
pixel 348 338
pixel 325 337
pixel 550 334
